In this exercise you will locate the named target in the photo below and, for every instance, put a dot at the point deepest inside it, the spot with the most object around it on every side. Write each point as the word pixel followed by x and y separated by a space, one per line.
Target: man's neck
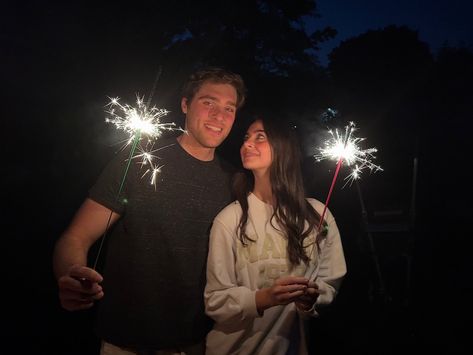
pixel 195 149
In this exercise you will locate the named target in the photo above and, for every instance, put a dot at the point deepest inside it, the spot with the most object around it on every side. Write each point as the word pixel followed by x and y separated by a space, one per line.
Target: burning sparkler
pixel 345 148
pixel 140 122
pixel 144 126
pixel 138 119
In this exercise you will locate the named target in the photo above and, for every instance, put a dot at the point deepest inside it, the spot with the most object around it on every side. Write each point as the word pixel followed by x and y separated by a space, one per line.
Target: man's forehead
pixel 217 91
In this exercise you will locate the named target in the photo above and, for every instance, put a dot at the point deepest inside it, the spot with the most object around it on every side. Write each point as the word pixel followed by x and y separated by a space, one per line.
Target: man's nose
pixel 217 113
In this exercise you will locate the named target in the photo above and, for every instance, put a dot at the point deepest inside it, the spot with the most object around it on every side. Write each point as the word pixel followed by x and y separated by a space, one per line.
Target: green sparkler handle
pixel 130 156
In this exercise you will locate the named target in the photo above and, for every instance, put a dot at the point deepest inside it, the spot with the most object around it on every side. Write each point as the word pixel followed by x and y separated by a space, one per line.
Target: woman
pixel 264 255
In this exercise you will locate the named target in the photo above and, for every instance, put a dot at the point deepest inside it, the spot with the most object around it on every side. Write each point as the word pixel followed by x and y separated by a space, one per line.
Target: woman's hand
pixel 284 291
pixel 308 299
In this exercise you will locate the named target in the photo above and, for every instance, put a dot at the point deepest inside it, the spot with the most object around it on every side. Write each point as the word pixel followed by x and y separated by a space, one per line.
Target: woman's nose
pixel 248 143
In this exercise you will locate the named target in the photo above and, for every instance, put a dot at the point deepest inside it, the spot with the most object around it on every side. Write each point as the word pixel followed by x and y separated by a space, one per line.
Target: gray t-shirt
pixel 154 270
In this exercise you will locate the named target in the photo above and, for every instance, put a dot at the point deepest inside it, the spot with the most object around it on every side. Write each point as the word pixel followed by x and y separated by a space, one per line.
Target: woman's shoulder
pixel 229 213
pixel 319 206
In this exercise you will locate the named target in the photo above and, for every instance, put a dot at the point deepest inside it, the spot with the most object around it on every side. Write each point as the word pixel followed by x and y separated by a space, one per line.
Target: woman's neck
pixel 262 189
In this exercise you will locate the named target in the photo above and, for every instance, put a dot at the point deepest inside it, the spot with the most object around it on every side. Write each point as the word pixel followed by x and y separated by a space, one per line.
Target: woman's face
pixel 256 154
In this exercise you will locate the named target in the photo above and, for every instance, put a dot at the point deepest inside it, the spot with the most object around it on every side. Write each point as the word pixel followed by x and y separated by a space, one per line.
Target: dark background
pixel 411 98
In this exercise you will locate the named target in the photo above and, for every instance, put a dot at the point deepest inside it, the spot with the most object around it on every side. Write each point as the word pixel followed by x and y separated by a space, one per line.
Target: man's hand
pixel 80 288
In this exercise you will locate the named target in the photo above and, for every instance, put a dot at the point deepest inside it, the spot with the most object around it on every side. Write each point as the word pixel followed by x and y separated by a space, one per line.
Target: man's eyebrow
pixel 215 99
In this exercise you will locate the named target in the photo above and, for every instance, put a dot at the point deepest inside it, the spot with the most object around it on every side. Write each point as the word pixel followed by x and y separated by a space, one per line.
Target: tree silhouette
pixel 378 80
pixel 411 103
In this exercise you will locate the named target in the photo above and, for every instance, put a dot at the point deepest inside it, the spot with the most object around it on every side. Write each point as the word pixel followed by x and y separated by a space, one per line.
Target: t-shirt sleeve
pixel 110 189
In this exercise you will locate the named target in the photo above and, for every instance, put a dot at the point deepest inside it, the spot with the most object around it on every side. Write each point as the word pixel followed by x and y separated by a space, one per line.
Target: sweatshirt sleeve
pixel 225 300
pixel 332 266
pixel 331 269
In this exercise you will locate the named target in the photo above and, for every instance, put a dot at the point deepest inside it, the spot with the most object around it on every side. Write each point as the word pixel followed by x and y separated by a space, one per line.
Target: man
pixel 151 292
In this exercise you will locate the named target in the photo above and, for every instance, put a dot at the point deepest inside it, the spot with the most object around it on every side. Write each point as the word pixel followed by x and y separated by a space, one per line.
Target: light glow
pixel 144 126
pixel 346 147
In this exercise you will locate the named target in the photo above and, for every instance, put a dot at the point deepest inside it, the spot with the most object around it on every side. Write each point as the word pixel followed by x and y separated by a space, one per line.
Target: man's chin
pixel 213 143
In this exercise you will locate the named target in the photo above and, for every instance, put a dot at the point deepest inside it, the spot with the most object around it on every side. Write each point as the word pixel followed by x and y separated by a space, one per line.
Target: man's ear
pixel 184 105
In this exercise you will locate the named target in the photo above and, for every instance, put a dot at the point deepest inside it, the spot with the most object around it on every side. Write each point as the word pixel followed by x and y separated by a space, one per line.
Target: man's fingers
pixel 83 272
pixel 68 283
pixel 76 305
pixel 68 295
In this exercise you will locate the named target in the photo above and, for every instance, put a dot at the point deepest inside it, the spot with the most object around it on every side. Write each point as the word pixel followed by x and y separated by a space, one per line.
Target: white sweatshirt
pixel 235 272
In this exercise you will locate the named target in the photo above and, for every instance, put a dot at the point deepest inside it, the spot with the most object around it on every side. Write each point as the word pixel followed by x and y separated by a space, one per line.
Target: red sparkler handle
pixel 339 164
pixel 337 169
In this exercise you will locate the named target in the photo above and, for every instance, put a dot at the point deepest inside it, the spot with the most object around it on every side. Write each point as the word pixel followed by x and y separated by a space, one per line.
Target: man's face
pixel 210 114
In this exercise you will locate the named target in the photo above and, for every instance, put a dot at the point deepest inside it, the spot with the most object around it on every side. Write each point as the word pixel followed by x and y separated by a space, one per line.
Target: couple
pixel 156 292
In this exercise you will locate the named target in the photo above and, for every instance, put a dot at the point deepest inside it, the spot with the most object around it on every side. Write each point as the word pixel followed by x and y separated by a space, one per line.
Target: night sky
pixel 437 22
pixel 60 62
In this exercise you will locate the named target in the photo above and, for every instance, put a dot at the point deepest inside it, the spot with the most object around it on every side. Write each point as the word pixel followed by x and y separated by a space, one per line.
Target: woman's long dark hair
pixel 292 210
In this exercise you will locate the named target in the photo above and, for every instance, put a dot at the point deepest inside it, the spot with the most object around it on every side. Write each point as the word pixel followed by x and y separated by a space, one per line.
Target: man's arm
pixel 70 256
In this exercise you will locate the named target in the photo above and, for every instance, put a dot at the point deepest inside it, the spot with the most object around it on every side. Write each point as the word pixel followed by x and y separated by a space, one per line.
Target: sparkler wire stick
pixel 337 170
pixel 132 150
pixel 334 179
pixel 327 200
pixel 342 148
pixel 136 121
pixel 158 75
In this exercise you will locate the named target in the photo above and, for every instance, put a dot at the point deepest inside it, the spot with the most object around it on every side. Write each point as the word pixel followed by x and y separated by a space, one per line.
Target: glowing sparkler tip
pixel 139 119
pixel 345 147
pixel 140 122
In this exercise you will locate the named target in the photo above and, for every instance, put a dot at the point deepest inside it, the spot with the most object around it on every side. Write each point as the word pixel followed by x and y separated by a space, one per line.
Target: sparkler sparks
pixel 138 119
pixel 140 122
pixel 346 147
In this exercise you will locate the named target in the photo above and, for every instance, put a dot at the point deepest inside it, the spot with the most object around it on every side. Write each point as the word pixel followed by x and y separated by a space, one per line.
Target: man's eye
pixel 230 109
pixel 245 138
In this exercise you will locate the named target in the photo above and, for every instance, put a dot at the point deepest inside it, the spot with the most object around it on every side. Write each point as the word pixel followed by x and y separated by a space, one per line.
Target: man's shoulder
pixel 225 165
pixel 165 144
